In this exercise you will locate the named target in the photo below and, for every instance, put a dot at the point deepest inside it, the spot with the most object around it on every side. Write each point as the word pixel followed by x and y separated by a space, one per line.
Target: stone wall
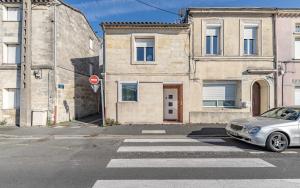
pixel 74 55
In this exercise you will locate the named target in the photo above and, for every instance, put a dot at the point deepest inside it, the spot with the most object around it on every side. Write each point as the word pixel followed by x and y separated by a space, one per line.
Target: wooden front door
pixel 256 99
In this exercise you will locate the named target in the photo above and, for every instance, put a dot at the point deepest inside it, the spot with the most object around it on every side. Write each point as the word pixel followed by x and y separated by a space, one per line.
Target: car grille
pixel 236 127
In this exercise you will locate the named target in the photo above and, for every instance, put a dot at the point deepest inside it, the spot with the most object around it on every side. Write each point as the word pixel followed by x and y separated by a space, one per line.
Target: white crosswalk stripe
pixel 179 149
pixel 178 140
pixel 242 183
pixel 153 131
pixel 189 163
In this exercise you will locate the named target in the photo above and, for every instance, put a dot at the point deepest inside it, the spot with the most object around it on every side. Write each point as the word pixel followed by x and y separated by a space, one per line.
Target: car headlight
pixel 254 130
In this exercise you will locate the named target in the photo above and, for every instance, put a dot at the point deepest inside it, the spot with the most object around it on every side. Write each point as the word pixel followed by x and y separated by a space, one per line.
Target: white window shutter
pixel 13 14
pixel 11 54
pixel 212 31
pixel 297 96
pixel 219 91
pixel 10 99
pixel 4 13
pixel 297 49
pixel 249 33
pixel 144 42
pixel 5 60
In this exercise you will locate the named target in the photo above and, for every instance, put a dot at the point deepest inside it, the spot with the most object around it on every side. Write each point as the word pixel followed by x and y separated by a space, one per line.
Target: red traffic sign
pixel 94 79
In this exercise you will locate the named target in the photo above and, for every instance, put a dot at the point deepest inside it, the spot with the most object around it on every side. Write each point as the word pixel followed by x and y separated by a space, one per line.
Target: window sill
pixel 221 107
pixel 10 21
pixel 127 101
pixel 10 66
pixel 144 63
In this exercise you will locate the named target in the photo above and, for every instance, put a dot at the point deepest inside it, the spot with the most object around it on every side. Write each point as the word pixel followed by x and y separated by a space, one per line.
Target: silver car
pixel 275 129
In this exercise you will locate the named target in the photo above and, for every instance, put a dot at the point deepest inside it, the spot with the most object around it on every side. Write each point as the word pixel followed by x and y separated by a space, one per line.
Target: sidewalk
pixel 90 130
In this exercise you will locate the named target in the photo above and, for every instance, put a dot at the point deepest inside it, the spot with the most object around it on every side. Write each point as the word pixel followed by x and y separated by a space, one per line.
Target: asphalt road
pixel 131 161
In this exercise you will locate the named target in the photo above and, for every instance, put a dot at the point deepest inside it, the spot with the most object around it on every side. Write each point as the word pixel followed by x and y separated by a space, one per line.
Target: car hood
pixel 259 122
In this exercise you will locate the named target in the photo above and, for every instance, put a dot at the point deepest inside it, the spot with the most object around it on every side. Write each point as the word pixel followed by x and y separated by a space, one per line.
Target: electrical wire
pixel 155 7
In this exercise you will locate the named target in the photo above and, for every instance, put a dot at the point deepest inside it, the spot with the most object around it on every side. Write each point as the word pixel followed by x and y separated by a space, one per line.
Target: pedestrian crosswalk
pixel 144 154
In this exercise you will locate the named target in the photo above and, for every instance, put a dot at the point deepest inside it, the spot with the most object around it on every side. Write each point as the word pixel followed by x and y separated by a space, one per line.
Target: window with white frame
pixel 11 54
pixel 250 40
pixel 91 44
pixel 11 98
pixel 144 49
pixel 11 14
pixel 128 91
pixel 297 28
pixel 219 94
pixel 297 48
pixel 212 40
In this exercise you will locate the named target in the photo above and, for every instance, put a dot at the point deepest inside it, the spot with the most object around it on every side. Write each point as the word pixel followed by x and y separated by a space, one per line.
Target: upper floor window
pixel 250 38
pixel 144 49
pixel 297 28
pixel 11 54
pixel 91 44
pixel 212 40
pixel 297 48
pixel 12 14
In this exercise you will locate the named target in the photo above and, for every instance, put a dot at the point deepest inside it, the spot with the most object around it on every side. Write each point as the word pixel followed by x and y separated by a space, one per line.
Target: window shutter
pixel 297 96
pixel 216 91
pixel 212 31
pixel 13 14
pixel 144 42
pixel 250 33
pixel 12 54
pixel 10 99
pixel 4 13
pixel 297 49
pixel 5 58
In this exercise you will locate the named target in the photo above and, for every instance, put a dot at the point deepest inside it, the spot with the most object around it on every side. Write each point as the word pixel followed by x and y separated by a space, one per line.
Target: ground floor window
pixel 11 98
pixel 219 93
pixel 297 95
pixel 128 91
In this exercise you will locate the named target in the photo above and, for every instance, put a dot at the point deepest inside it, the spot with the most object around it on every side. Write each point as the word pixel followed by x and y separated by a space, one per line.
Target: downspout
pixel 276 74
pixel 55 63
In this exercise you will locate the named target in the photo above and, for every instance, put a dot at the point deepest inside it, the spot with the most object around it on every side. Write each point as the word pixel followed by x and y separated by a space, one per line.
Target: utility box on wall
pixel 39 118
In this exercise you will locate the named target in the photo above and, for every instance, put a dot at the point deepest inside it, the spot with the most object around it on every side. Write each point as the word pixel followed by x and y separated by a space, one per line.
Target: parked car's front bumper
pixel 243 135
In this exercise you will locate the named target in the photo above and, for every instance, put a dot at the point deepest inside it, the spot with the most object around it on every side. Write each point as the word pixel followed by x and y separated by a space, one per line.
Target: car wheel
pixel 277 142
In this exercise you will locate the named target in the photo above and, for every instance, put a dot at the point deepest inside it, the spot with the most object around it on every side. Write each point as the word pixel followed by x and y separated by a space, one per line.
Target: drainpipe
pixel 275 49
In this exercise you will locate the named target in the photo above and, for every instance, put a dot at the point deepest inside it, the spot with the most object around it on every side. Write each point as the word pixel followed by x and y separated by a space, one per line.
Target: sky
pixel 98 11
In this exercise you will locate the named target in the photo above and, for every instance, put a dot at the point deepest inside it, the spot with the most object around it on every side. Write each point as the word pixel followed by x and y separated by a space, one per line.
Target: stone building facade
pixel 288 56
pixel 46 59
pixel 218 64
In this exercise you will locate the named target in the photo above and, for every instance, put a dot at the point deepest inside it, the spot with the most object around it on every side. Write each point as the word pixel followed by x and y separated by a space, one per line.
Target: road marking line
pixel 240 183
pixel 170 140
pixel 256 152
pixel 189 163
pixel 179 149
pixel 153 131
pixel 22 138
pixel 289 152
pixel 64 137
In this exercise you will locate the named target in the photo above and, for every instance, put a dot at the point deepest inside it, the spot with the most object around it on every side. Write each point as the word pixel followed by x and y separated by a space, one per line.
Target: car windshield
pixel 283 113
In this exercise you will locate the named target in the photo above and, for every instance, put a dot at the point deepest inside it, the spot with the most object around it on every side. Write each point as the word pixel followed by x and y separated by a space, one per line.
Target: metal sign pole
pixel 102 102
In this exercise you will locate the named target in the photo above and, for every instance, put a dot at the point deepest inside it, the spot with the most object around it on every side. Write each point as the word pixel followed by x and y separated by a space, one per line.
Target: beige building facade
pixel 217 65
pixel 44 74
